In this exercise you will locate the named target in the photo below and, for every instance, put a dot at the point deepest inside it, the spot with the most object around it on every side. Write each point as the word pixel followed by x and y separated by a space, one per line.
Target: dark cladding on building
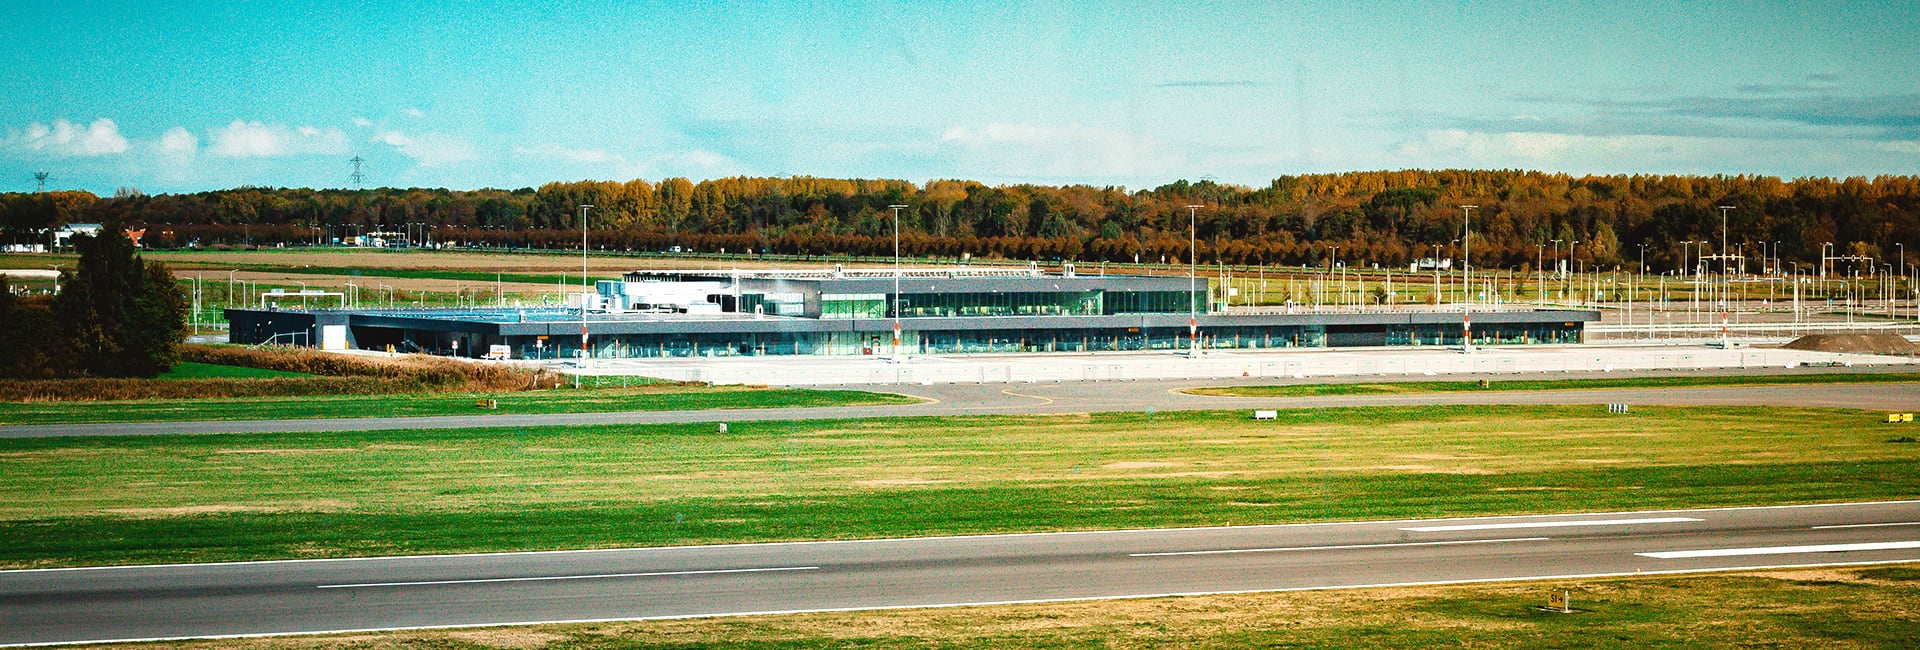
pixel 852 312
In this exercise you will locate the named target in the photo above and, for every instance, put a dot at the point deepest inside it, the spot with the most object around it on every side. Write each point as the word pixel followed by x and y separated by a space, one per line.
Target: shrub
pixel 337 375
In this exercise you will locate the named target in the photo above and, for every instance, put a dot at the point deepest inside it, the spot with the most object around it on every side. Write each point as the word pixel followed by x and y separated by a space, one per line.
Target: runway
pixel 307 596
pixel 1046 398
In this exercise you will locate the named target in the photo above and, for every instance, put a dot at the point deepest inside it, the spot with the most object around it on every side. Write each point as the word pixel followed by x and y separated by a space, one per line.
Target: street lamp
pixel 1193 283
pixel 1466 273
pixel 1333 253
pixel 1569 295
pixel 896 279
pixel 586 357
pixel 1466 252
pixel 1540 274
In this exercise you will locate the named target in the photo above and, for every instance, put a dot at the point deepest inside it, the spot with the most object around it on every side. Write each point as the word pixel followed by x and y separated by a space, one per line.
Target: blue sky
pixel 185 96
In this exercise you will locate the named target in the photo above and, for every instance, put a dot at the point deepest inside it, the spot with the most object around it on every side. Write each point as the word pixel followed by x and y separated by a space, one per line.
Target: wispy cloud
pixel 1210 83
pixel 429 149
pixel 554 151
pixel 1048 151
pixel 68 139
pixel 699 163
pixel 1774 112
pixel 252 139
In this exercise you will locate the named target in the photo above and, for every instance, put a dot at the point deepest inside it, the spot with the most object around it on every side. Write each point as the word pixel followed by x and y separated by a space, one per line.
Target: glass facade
pixel 1153 302
pixel 841 306
pixel 1009 303
pixel 1063 339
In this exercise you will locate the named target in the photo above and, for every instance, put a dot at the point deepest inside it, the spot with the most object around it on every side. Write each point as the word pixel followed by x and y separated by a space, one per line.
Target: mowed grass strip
pixel 1856 607
pixel 87 501
pixel 641 398
pixel 1414 387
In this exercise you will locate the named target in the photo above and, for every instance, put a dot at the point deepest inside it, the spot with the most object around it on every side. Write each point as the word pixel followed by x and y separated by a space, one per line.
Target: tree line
pixel 1385 217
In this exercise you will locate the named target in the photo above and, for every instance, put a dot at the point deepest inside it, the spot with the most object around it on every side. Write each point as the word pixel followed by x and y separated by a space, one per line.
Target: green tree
pixel 120 317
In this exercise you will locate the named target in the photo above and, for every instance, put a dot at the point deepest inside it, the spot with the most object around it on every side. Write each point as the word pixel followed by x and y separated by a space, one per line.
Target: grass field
pixel 85 501
pixel 639 398
pixel 1872 607
pixel 1412 387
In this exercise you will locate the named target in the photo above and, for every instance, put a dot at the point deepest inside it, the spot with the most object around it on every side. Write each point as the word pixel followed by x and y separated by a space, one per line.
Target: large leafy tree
pixel 119 316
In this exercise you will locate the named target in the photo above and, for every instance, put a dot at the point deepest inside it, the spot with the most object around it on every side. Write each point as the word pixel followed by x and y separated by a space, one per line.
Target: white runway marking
pixel 1897 523
pixel 1282 549
pixel 1550 524
pixel 1781 550
pixel 578 577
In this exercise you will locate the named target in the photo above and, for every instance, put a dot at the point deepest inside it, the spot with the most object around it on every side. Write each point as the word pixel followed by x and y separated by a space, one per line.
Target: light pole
pixel 1436 275
pixel 1193 283
pixel 896 279
pixel 1556 260
pixel 586 357
pixel 1540 274
pixel 1333 253
pixel 1570 273
pixel 1466 277
pixel 1466 249
pixel 1902 246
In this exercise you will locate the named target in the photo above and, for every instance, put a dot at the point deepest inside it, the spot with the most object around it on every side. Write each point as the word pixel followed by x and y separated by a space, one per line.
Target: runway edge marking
pixel 1037 601
pixel 987 536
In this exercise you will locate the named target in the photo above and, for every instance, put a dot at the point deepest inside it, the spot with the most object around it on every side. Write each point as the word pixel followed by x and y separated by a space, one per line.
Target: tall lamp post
pixel 1556 262
pixel 1193 283
pixel 586 355
pixel 1726 278
pixel 1539 274
pixel 896 279
pixel 1903 267
pixel 1466 271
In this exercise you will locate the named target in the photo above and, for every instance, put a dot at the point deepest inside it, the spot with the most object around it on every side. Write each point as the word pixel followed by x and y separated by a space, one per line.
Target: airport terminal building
pixel 852 312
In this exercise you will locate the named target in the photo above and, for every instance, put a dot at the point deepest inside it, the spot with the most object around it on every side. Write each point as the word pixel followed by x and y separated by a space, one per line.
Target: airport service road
pixel 161 602
pixel 1049 398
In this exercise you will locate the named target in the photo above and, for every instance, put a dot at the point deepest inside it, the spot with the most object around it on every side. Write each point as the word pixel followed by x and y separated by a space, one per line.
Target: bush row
pixel 336 375
pixel 431 372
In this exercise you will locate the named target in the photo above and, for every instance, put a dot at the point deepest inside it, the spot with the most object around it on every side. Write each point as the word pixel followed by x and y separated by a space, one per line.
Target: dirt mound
pixel 1887 344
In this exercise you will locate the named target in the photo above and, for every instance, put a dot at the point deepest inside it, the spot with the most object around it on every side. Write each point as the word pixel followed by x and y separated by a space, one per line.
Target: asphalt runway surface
pixel 308 596
pixel 1049 398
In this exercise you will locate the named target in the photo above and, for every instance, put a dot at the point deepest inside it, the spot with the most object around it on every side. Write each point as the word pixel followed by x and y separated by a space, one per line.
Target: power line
pixel 357 176
pixel 42 177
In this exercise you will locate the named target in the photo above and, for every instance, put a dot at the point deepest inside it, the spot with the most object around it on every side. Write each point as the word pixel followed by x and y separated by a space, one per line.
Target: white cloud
pixel 1525 147
pixel 361 121
pixel 243 139
pixel 1002 149
pixel 63 138
pixel 415 112
pixel 428 149
pixel 1900 146
pixel 178 141
pixel 695 163
pixel 562 152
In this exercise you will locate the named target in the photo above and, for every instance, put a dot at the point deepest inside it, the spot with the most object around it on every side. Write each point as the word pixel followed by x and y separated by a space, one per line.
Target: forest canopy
pixel 1385 217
